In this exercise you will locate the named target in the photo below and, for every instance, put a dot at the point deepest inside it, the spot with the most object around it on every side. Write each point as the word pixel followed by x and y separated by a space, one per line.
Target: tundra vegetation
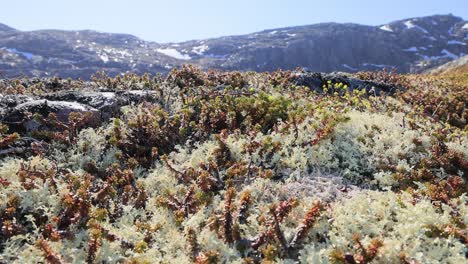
pixel 231 167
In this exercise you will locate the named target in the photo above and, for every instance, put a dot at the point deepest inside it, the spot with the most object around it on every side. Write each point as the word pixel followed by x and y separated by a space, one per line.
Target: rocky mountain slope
pixel 455 65
pixel 411 45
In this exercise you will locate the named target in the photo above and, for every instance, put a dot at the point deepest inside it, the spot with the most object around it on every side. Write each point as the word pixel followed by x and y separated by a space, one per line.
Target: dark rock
pixel 108 103
pixel 16 110
pixel 20 117
pixel 315 81
pixel 138 96
pixel 13 100
pixel 23 147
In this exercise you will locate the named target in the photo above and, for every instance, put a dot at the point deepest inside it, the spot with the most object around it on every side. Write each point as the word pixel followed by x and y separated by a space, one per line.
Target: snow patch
pixel 450 31
pixel 122 53
pixel 378 65
pixel 430 58
pixel 349 67
pixel 292 35
pixel 200 49
pixel 215 56
pixel 446 54
pixel 465 26
pixel 449 54
pixel 104 58
pixel 412 49
pixel 455 42
pixel 108 95
pixel 409 24
pixel 61 61
pixel 386 28
pixel 28 55
pixel 273 32
pixel 174 54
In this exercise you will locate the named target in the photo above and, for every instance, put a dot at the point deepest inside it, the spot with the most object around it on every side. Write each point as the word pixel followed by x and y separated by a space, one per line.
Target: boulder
pixel 19 118
pixel 315 81
pixel 15 110
pixel 108 103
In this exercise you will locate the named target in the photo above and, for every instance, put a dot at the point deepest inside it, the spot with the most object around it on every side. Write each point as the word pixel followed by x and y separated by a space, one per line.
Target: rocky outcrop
pixel 108 103
pixel 316 80
pixel 18 110
pixel 22 117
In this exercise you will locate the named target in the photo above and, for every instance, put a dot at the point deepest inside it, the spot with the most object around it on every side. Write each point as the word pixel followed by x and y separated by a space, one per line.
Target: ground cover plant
pixel 231 167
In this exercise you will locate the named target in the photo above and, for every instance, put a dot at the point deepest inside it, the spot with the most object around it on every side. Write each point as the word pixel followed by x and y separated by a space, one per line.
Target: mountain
pixel 5 28
pixel 410 45
pixel 460 64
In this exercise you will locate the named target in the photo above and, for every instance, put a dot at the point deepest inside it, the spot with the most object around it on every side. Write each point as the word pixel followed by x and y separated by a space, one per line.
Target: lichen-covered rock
pixel 21 116
pixel 107 102
pixel 15 110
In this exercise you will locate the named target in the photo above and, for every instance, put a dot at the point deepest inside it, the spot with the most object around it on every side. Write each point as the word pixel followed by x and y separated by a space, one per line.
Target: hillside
pixel 235 167
pixel 458 65
pixel 410 45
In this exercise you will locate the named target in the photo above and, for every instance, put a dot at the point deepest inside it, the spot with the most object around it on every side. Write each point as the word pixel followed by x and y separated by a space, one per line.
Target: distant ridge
pixel 455 65
pixel 409 45
pixel 4 28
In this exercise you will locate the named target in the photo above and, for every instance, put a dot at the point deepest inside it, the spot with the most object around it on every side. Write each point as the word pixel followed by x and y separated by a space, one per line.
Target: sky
pixel 177 20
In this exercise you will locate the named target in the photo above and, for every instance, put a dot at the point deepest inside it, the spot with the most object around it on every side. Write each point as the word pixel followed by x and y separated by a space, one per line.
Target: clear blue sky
pixel 177 20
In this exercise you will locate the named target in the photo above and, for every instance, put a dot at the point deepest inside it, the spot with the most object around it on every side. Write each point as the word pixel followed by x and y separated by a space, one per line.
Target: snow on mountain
pixel 386 28
pixel 174 54
pixel 449 54
pixel 455 42
pixel 27 55
pixel 409 25
pixel 409 45
pixel 412 49
pixel 200 50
